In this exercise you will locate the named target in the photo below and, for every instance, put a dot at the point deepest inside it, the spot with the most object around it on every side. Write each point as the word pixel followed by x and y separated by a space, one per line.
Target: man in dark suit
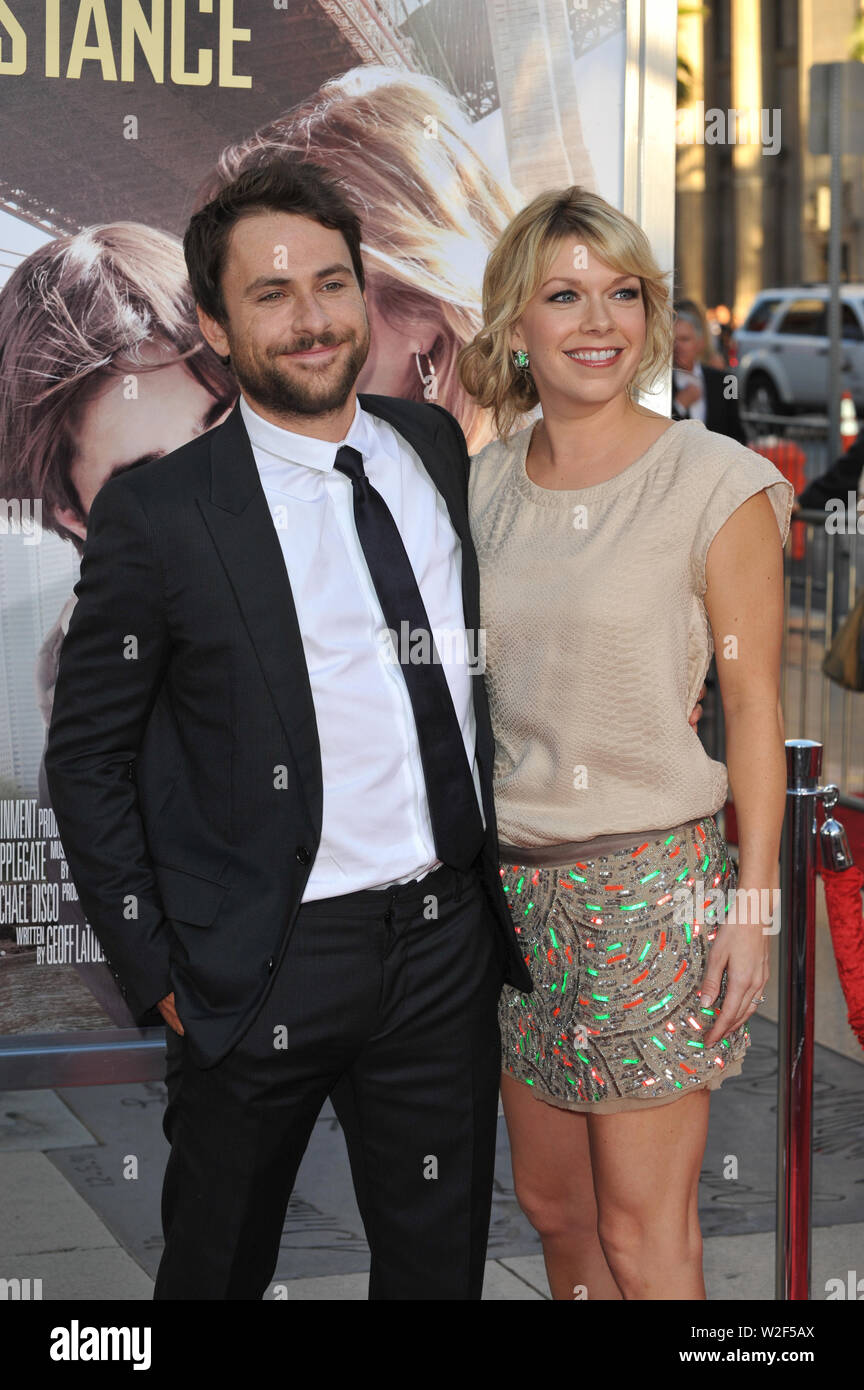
pixel 700 392
pixel 278 814
pixel 844 476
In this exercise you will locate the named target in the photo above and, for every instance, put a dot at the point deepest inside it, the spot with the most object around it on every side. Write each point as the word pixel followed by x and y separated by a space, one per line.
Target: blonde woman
pixel 616 548
pixel 404 152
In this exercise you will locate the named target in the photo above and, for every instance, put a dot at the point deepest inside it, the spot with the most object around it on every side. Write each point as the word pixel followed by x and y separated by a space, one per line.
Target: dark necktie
pixel 456 823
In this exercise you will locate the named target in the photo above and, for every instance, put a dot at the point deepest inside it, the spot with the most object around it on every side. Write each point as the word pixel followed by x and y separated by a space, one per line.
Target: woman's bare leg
pixel 553 1183
pixel 646 1178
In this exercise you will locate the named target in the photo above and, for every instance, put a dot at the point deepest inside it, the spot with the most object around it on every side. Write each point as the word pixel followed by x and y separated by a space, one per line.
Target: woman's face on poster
pixel 135 417
pixel 391 367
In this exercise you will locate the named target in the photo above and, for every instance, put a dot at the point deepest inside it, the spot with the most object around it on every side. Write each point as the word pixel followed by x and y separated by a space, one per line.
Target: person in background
pixel 699 391
pixel 711 354
pixel 845 475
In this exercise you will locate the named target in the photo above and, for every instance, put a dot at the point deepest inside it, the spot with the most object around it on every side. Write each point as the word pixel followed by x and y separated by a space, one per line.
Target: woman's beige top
pixel 597 638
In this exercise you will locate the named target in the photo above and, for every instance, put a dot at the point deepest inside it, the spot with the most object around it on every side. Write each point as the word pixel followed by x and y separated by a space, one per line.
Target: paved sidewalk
pixel 73 1215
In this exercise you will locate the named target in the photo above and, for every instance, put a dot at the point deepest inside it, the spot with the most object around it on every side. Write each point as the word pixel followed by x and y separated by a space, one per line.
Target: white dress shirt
pixel 375 828
pixel 696 409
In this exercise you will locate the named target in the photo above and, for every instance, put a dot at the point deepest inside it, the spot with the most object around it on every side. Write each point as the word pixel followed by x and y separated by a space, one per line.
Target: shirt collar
pixel 695 375
pixel 275 446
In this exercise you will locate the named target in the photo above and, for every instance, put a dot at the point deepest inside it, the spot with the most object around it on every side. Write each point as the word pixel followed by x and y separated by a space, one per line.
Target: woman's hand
pixel 741 948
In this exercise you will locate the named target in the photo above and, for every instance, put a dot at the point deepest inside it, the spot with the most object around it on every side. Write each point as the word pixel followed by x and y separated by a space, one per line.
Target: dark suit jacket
pixel 721 415
pixel 840 479
pixel 182 758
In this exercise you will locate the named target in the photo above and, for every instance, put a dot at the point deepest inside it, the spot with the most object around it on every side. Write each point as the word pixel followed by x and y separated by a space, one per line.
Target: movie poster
pixel 441 119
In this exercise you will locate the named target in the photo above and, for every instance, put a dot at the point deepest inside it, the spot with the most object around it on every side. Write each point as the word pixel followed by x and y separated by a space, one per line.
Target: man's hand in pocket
pixel 169 1013
pixel 695 714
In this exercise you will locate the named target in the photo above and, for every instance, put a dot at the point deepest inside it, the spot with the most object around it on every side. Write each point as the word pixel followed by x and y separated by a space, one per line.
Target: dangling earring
pixel 520 357
pixel 430 381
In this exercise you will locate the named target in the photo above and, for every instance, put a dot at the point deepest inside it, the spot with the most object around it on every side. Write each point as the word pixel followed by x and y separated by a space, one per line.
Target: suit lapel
pixel 242 528
pixel 445 469
pixel 713 393
pixel 429 435
pixel 239 520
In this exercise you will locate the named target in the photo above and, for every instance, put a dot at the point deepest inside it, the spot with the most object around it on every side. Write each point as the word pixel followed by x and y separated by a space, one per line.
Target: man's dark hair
pixel 277 185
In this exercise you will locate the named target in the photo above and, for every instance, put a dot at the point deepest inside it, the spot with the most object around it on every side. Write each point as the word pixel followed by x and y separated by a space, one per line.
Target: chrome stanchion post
pixel 798 858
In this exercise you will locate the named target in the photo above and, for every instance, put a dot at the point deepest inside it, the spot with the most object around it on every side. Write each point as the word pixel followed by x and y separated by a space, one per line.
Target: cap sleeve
pixel 741 476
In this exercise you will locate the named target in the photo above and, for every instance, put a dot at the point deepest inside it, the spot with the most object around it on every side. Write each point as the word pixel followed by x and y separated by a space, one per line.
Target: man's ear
pixel 213 333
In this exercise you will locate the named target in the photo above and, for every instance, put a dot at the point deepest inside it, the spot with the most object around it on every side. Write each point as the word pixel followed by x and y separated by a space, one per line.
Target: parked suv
pixel 783 349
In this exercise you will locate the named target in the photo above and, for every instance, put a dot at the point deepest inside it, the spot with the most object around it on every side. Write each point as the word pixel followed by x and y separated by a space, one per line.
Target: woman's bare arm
pixel 744 602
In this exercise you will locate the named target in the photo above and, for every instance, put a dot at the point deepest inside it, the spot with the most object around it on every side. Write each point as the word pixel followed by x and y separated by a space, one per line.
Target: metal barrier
pixel 820 589
pixel 821 578
pixel 795 1022
pixel 808 431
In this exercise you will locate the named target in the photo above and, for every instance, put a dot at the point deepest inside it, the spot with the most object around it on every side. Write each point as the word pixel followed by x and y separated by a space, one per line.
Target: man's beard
pixel 266 384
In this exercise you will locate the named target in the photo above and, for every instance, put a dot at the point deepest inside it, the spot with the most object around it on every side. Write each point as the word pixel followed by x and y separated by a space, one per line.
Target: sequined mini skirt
pixel 617 952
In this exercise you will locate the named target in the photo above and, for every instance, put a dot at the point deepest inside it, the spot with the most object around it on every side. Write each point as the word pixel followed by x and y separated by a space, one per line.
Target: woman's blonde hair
pixel 403 151
pixel 518 266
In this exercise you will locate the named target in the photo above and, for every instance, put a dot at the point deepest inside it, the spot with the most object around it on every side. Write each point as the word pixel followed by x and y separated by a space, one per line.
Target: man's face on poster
pixel 134 417
pixel 296 326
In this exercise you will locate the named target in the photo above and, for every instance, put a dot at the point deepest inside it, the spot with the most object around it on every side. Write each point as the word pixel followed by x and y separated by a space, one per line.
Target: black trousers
pixel 386 1000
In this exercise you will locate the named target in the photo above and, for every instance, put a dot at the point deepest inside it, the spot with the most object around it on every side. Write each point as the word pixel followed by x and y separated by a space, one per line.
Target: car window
pixel 761 314
pixel 852 330
pixel 805 316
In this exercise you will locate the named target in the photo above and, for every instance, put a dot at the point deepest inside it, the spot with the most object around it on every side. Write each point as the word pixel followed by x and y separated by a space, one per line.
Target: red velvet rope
pixel 843 889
